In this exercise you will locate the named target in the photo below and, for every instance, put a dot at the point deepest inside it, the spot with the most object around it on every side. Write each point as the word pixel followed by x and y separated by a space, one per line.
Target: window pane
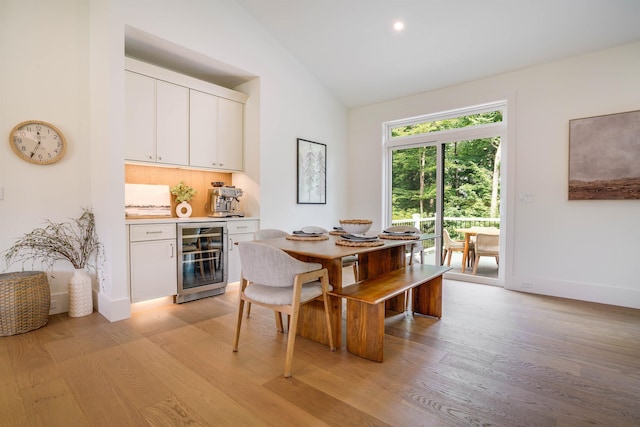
pixel 454 123
pixel 414 187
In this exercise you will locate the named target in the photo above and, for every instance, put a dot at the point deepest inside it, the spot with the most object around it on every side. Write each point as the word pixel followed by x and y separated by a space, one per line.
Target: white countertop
pixel 176 220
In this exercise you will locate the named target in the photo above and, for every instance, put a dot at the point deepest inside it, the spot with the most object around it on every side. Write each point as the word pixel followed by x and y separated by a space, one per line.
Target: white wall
pixel 576 249
pixel 82 92
pixel 44 76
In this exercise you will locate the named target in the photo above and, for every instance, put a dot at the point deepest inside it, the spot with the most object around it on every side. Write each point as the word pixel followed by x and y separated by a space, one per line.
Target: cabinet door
pixel 140 124
pixel 153 269
pixel 234 267
pixel 203 129
pixel 230 134
pixel 172 123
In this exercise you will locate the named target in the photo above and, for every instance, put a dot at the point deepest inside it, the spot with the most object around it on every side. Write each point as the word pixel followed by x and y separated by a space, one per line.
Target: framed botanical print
pixel 312 172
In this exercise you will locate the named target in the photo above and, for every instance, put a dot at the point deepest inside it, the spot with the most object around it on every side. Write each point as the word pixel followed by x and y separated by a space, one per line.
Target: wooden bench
pixel 367 301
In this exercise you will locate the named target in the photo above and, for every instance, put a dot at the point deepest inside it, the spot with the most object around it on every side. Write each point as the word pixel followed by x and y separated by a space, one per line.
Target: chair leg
pixel 449 258
pixel 238 325
pixel 279 325
pixel 291 341
pixel 475 264
pixel 248 309
pixel 327 317
pixel 355 271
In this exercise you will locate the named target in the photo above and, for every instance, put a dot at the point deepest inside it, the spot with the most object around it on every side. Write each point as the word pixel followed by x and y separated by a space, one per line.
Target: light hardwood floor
pixel 495 358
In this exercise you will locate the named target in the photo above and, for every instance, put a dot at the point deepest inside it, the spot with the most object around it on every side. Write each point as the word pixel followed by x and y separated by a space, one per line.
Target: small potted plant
pixel 74 241
pixel 184 194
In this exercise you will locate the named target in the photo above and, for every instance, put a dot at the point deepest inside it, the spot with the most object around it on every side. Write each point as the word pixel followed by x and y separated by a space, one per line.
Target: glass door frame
pixel 438 139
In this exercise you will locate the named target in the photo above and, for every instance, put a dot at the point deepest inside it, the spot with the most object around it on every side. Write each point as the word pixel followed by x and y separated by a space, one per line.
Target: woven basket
pixel 25 299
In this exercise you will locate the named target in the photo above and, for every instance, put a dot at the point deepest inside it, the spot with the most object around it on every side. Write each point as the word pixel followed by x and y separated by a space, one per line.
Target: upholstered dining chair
pixel 486 245
pixel 273 279
pixel 269 233
pixel 265 234
pixel 415 248
pixel 449 246
pixel 348 261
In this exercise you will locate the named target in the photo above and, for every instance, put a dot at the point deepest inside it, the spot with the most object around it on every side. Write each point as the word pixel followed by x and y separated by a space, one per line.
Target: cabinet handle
pixel 242 226
pixel 172 251
pixel 150 157
pixel 230 244
pixel 154 232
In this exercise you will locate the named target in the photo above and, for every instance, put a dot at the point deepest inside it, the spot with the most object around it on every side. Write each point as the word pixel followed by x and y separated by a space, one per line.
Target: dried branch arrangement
pixel 75 241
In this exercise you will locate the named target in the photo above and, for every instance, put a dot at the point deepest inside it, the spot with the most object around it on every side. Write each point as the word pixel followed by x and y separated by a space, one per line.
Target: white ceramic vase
pixel 80 294
pixel 183 210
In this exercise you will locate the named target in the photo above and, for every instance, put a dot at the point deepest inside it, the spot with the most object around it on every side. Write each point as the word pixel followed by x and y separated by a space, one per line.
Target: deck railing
pixel 428 225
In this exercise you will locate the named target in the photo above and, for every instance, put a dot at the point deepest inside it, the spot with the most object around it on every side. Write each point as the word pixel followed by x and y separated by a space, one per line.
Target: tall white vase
pixel 80 294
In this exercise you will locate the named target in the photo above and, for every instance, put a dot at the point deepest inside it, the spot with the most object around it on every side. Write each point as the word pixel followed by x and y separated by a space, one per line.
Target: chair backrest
pixel 487 244
pixel 403 229
pixel 313 229
pixel 446 238
pixel 266 265
pixel 268 233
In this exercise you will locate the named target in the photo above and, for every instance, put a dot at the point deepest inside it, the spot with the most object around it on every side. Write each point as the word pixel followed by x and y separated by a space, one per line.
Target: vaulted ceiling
pixel 352 49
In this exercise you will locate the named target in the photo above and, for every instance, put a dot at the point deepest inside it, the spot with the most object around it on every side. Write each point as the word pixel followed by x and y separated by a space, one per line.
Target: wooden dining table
pixel 473 231
pixel 372 262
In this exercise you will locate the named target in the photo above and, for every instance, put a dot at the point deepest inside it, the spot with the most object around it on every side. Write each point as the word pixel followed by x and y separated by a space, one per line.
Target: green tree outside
pixel 471 172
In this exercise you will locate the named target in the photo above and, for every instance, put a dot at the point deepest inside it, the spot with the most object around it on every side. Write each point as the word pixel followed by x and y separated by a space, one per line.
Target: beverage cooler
pixel 202 260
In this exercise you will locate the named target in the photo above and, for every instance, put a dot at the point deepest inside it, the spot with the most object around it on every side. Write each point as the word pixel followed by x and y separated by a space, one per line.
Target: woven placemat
pixel 307 238
pixel 396 237
pixel 351 243
pixel 337 232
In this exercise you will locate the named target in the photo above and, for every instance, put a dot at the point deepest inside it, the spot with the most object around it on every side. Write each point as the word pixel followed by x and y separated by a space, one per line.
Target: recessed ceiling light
pixel 398 26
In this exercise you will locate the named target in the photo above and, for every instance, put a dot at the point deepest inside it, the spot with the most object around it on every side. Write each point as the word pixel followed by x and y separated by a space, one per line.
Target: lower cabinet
pixel 152 261
pixel 238 231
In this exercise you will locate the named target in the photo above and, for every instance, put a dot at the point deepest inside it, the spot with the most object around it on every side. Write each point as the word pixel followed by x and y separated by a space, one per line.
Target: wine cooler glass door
pixel 202 261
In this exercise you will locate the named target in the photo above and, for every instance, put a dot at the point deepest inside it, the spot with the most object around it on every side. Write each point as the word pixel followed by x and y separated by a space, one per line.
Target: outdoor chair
pixel 273 279
pixel 486 245
pixel 449 246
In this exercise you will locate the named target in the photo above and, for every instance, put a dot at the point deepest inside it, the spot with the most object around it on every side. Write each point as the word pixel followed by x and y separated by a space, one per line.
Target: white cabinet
pixel 230 135
pixel 140 117
pixel 172 123
pixel 203 129
pixel 156 120
pixel 152 261
pixel 238 231
pixel 216 132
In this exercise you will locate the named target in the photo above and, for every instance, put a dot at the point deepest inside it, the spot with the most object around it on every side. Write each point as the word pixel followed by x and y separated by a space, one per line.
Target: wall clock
pixel 37 142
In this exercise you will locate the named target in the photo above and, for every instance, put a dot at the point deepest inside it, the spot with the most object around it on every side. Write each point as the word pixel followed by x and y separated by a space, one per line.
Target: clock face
pixel 38 142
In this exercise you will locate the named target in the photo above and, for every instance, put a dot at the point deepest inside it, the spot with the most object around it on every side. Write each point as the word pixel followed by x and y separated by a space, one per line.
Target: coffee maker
pixel 223 201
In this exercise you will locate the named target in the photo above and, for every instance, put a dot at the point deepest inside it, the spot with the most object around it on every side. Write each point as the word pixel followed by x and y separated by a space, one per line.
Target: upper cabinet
pixel 157 120
pixel 174 119
pixel 230 134
pixel 216 129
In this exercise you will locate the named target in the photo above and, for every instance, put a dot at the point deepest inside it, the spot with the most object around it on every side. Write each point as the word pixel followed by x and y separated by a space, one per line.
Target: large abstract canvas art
pixel 604 157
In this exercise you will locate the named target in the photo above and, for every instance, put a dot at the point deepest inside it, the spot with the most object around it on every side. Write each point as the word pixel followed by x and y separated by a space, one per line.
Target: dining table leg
pixel 311 320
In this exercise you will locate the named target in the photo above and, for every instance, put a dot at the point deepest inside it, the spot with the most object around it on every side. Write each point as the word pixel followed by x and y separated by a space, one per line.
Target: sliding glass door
pixel 446 181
